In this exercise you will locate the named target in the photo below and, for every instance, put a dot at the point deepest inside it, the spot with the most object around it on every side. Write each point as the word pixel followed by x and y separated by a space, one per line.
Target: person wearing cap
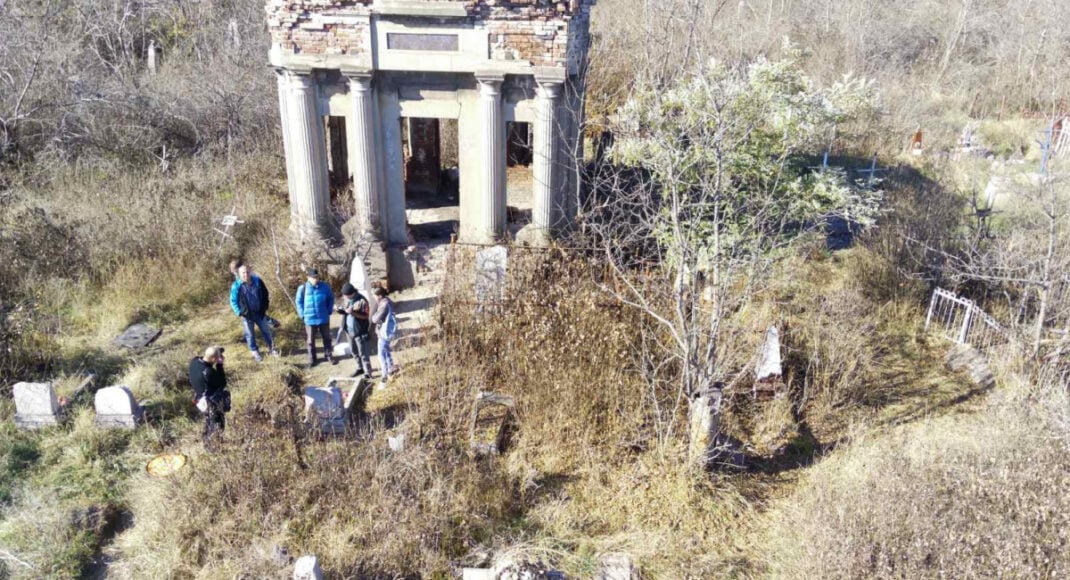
pixel 354 310
pixel 210 394
pixel 249 299
pixel 315 302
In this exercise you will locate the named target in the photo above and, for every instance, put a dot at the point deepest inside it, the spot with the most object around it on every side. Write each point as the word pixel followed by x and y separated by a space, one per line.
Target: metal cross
pixel 230 220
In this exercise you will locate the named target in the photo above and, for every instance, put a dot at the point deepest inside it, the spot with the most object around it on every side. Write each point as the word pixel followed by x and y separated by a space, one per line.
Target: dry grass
pixel 956 496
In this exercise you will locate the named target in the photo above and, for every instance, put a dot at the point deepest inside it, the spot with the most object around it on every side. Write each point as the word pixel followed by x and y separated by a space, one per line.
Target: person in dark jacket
pixel 249 299
pixel 315 302
pixel 355 313
pixel 235 264
pixel 210 393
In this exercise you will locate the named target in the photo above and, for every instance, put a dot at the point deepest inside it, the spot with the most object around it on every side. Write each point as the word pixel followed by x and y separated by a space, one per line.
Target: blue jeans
pixel 249 325
pixel 386 357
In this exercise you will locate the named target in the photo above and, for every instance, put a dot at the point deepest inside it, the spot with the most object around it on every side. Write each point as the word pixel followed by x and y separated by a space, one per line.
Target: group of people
pixel 315 301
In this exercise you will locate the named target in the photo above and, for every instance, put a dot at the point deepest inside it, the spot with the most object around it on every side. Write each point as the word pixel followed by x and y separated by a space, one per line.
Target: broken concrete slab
pixel 138 336
pixel 965 358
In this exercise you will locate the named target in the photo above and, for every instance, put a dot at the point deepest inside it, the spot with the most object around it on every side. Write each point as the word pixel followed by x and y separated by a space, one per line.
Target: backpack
pixel 390 325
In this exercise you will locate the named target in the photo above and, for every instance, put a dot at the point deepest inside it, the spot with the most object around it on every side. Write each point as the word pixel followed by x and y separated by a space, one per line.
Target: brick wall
pixel 538 31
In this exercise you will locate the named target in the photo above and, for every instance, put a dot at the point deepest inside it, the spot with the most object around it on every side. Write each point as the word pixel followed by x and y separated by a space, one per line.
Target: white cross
pixel 230 220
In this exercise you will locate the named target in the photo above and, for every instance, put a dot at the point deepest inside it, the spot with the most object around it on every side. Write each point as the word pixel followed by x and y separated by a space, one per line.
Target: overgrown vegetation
pixel 873 459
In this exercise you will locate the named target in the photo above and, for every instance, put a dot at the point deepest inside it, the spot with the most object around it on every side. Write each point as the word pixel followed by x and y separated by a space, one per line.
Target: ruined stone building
pixel 357 78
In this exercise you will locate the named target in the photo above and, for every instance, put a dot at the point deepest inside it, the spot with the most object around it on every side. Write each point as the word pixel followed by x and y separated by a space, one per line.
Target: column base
pixel 533 235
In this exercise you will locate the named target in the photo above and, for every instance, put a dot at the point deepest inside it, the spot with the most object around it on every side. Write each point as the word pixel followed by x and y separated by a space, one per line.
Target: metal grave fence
pixel 960 320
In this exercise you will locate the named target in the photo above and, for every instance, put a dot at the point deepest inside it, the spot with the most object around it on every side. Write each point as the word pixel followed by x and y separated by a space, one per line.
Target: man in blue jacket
pixel 315 302
pixel 249 300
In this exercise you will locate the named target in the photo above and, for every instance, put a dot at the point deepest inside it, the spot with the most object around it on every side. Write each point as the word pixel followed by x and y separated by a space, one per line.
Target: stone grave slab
pixel 491 267
pixel 324 410
pixel 492 418
pixel 769 362
pixel 116 407
pixel 36 405
pixel 138 336
pixel 308 568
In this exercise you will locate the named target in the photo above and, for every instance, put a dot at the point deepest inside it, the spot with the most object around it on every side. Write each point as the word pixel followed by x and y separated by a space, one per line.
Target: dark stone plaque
pixel 426 42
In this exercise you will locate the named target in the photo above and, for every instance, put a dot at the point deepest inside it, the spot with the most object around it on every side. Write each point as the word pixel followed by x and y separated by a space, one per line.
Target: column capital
pixel 490 83
pixel 361 76
pixel 549 89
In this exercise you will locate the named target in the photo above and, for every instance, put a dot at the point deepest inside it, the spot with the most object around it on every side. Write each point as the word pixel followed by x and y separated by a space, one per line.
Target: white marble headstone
pixel 32 399
pixel 491 266
pixel 115 400
pixel 116 407
pixel 324 409
pixel 308 568
pixel 358 277
pixel 769 363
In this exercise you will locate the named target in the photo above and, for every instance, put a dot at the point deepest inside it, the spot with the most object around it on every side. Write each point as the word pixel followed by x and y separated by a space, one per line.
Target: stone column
pixel 363 160
pixel 308 159
pixel 284 128
pixel 492 210
pixel 546 167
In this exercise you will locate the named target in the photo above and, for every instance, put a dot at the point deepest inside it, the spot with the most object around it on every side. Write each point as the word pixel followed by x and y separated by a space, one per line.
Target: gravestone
pixel 358 277
pixel 138 336
pixel 342 350
pixel 308 568
pixel 491 266
pixel 492 418
pixel 616 567
pixel 36 405
pixel 705 419
pixel 324 410
pixel 116 408
pixel 770 368
pixel 356 398
pixel 396 443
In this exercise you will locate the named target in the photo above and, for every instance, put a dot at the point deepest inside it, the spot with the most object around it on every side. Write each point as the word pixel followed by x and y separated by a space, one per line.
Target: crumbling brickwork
pixel 537 31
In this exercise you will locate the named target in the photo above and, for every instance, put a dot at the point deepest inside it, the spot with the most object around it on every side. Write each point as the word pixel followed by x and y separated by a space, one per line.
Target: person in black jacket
pixel 355 313
pixel 210 393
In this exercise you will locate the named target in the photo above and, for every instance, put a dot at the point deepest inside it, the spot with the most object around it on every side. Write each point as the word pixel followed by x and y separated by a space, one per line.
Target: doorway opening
pixel 518 175
pixel 432 179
